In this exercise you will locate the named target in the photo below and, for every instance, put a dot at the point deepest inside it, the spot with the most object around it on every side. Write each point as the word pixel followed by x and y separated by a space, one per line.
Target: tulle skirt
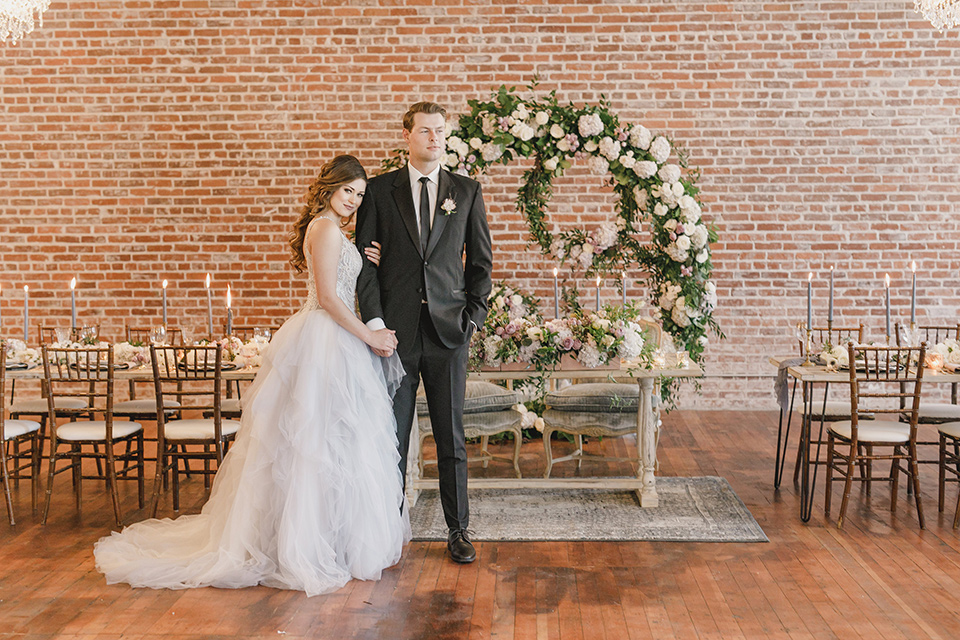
pixel 310 494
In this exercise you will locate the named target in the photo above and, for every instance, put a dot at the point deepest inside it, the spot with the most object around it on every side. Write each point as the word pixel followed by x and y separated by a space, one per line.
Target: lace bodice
pixel 348 268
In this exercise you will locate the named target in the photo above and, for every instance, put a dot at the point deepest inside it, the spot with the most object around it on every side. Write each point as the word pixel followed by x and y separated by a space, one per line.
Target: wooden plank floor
pixel 879 577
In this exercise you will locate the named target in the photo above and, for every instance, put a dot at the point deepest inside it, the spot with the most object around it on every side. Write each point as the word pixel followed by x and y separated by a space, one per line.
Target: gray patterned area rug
pixel 703 509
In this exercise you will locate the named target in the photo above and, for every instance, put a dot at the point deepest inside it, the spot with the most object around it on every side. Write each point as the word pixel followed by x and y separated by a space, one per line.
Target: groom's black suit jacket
pixel 454 271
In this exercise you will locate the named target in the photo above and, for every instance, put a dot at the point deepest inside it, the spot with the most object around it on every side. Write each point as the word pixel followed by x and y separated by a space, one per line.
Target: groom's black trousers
pixel 444 373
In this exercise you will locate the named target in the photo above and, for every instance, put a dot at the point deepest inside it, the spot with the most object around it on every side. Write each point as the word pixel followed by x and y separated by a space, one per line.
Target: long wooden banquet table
pixel 644 484
pixel 808 376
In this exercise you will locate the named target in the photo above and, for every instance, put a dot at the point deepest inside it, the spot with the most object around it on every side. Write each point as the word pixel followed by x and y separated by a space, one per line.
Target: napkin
pixel 780 386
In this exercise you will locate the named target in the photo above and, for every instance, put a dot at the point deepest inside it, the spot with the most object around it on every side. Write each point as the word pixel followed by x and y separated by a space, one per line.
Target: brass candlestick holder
pixel 807 362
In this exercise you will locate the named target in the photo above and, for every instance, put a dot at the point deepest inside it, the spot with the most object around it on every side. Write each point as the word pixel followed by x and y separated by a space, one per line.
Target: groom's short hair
pixel 421 107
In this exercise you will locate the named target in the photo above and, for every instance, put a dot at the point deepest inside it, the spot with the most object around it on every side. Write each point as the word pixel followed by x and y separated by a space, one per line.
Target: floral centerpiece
pixel 509 333
pixel 949 354
pixel 19 353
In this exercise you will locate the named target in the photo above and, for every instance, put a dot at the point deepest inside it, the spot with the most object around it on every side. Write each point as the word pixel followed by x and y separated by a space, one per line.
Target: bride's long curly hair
pixel 333 175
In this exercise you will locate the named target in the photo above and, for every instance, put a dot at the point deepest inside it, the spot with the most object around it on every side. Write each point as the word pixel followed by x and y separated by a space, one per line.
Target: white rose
pixel 476 143
pixel 463 149
pixel 563 145
pixel 699 236
pixel 607 340
pixel 703 256
pixel 557 131
pixel 683 243
pixel 661 209
pixel 451 160
pixel 453 142
pixel 550 164
pixel 670 224
pixel 542 118
pixel 627 161
pixel 516 300
pixel 590 146
pixel 526 132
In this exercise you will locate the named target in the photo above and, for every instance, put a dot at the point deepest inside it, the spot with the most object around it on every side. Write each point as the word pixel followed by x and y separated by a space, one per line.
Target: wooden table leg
pixel 647 444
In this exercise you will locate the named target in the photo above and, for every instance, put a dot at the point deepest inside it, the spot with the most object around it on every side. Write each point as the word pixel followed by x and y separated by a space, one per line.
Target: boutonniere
pixel 449 206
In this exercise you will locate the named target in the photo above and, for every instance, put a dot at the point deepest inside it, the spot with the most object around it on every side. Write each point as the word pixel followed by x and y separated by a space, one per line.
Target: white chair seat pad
pixel 939 411
pixel 146 405
pixel 197 429
pixel 16 428
pixel 39 405
pixel 951 429
pixel 96 430
pixel 873 430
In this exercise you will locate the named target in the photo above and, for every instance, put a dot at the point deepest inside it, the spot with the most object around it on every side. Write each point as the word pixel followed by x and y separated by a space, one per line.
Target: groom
pixel 431 288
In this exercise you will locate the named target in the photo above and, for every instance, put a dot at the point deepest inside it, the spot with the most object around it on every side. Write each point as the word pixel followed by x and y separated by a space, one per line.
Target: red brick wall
pixel 141 141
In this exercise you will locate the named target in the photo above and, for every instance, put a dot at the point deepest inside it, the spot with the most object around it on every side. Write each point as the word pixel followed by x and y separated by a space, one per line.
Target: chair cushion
pixel 230 405
pixel 951 429
pixel 96 430
pixel 481 424
pixel 938 412
pixel 596 397
pixel 16 428
pixel 606 423
pixel 873 430
pixel 39 405
pixel 146 405
pixel 481 397
pixel 197 429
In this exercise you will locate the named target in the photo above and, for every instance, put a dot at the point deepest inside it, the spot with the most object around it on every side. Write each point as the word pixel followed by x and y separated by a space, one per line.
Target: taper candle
pixel 830 308
pixel 623 290
pixel 26 314
pixel 556 295
pixel 810 301
pixel 598 293
pixel 1 307
pixel 164 304
pixel 73 303
pixel 209 307
pixel 913 295
pixel 887 286
pixel 229 313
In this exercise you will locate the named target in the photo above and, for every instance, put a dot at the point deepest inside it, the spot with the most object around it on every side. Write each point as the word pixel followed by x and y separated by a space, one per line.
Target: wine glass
pixel 63 335
pixel 88 335
pixel 158 336
pixel 262 333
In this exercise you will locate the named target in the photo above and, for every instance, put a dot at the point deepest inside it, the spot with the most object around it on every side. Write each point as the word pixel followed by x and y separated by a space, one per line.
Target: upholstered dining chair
pixel 88 373
pixel 875 385
pixel 487 411
pixel 194 374
pixel 599 409
pixel 15 433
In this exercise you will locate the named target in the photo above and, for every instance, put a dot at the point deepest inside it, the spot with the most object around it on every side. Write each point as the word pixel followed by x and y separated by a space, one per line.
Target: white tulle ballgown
pixel 310 494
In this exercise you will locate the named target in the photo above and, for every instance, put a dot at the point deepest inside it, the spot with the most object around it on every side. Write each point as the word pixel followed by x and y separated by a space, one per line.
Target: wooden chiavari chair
pixel 876 386
pixel 195 373
pixel 936 412
pixel 13 434
pixel 88 373
pixel 822 411
pixel 35 408
pixel 231 405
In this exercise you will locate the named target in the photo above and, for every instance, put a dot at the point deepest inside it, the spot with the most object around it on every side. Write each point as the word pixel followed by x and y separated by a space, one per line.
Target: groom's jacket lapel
pixel 404 201
pixel 440 217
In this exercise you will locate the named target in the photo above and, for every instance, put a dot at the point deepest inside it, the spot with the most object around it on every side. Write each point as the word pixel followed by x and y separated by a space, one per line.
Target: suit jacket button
pixel 419 290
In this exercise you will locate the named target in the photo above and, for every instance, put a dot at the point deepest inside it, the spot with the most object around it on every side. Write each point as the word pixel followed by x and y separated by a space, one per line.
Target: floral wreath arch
pixel 647 189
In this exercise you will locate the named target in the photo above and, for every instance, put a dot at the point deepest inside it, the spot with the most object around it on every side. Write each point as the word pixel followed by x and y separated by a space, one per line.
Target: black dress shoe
pixel 460 548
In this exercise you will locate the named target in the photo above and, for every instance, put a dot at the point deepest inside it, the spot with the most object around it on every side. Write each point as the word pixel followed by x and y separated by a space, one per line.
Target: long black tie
pixel 424 213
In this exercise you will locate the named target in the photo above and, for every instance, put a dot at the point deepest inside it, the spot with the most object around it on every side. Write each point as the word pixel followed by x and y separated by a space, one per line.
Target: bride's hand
pixel 373 253
pixel 383 342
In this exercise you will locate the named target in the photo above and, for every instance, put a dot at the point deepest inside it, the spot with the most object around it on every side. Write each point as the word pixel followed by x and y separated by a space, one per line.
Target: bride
pixel 310 494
